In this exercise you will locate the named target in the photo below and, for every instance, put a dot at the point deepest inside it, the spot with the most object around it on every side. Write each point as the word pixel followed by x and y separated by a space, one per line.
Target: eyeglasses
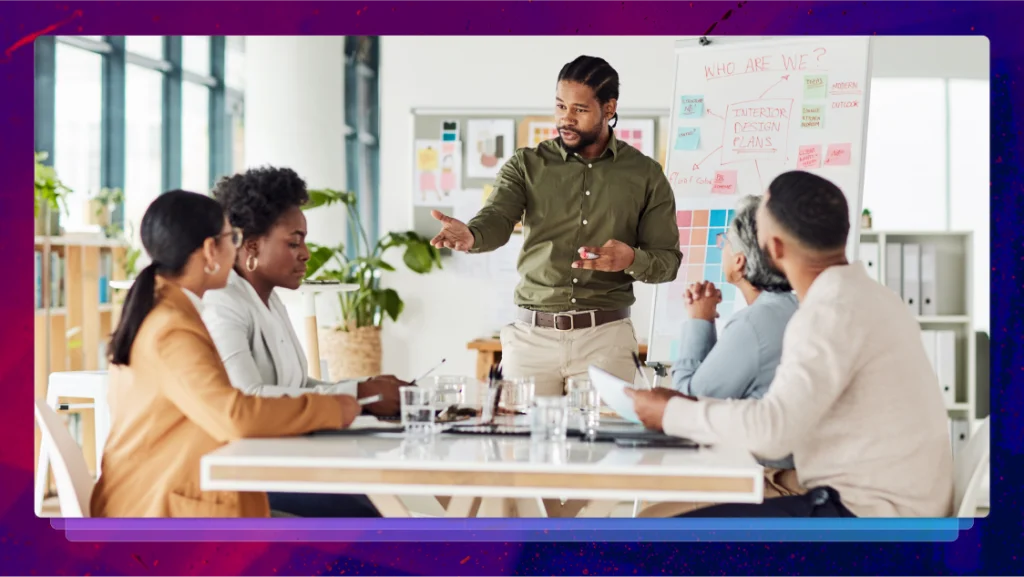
pixel 235 234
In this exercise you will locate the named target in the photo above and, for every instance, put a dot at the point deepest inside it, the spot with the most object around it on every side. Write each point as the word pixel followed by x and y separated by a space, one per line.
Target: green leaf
pixel 418 258
pixel 318 257
pixel 391 303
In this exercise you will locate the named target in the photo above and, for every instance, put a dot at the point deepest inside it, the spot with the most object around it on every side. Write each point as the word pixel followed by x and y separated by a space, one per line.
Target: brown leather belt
pixel 571 321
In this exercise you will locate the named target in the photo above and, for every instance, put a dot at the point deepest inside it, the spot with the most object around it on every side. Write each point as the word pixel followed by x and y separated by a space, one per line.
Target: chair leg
pixel 43 466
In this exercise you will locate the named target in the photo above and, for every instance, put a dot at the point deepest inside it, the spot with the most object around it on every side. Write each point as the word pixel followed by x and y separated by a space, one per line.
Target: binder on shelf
pixel 929 280
pixel 929 340
pixel 894 267
pixel 869 255
pixel 945 364
pixel 39 279
pixel 912 277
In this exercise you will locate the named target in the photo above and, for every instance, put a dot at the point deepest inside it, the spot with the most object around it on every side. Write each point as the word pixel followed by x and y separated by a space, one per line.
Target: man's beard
pixel 585 139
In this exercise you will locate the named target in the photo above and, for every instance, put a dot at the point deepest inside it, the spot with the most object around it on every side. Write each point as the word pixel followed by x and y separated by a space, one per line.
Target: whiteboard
pixel 743 112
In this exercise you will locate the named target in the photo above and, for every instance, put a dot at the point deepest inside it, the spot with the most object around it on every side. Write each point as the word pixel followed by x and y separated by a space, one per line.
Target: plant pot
pixel 351 354
pixel 865 221
pixel 41 228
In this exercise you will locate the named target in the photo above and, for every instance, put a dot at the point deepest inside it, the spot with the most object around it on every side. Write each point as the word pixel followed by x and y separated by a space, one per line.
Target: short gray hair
pixel 742 237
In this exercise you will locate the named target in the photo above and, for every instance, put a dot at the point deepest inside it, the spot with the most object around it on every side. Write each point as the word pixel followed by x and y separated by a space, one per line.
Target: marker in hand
pixel 588 255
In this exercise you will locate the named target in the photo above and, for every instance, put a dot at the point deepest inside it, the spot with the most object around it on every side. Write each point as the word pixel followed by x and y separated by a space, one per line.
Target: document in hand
pixel 613 393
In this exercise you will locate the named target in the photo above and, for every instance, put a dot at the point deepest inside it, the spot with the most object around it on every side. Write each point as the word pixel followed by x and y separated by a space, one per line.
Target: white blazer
pixel 257 344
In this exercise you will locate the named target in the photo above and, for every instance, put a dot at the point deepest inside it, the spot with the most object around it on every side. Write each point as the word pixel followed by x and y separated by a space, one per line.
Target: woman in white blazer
pixel 249 323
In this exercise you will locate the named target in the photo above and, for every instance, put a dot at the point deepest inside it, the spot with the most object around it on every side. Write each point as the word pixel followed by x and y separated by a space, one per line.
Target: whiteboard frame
pixel 728 42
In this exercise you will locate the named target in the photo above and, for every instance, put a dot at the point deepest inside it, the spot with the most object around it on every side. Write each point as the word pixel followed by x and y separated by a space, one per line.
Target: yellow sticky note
pixel 426 159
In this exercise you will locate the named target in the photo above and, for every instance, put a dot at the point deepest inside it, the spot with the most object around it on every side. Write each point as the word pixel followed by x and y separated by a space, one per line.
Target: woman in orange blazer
pixel 171 401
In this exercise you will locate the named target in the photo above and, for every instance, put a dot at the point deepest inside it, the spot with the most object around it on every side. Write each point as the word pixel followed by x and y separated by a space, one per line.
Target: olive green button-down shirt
pixel 566 202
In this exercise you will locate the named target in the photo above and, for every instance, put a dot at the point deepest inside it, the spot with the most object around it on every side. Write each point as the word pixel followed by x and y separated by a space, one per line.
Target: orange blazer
pixel 173 404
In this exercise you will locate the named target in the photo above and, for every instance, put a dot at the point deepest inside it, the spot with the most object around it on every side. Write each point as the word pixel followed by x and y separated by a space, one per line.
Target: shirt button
pixel 590 166
pixel 575 280
pixel 584 222
pixel 588 193
pixel 572 300
pixel 629 272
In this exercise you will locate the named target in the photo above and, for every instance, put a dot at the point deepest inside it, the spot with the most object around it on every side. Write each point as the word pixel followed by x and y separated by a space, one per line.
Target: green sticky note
pixel 812 116
pixel 815 87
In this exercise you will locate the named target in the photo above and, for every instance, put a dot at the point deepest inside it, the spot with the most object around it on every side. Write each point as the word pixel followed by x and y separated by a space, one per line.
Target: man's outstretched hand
pixel 454 233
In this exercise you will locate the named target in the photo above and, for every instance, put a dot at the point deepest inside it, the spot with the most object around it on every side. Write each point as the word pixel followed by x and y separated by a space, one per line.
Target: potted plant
pixel 50 197
pixel 101 206
pixel 865 219
pixel 353 347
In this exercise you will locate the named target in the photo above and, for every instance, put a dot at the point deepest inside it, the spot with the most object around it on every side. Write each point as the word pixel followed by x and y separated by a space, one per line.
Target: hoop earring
pixel 216 268
pixel 251 263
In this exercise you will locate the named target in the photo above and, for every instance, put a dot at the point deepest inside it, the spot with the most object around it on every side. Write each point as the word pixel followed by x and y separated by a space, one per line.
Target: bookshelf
pixel 75 311
pixel 953 300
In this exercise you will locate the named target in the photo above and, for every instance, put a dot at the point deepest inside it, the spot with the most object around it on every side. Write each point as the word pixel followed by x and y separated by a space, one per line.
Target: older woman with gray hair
pixel 741 362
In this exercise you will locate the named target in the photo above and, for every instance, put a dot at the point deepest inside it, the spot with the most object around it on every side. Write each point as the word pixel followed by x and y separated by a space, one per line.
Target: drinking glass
pixel 417 410
pixel 517 394
pixel 448 390
pixel 549 419
pixel 585 408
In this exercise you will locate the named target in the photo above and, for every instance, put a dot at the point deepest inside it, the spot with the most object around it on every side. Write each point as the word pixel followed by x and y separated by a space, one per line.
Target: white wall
pixel 294 117
pixel 445 311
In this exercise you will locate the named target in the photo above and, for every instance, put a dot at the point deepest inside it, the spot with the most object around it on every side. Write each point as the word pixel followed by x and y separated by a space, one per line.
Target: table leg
pixel 496 507
pixel 531 508
pixel 312 336
pixel 463 507
pixel 390 506
pixel 598 509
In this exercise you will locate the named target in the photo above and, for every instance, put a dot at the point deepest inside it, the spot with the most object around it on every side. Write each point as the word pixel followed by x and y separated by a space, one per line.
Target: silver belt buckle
pixel 572 322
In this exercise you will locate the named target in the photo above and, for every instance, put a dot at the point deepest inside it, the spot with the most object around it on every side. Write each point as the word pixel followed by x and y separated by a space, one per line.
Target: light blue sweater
pixel 741 364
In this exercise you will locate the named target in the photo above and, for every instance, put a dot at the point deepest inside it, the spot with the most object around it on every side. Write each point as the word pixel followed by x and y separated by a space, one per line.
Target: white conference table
pixel 486 476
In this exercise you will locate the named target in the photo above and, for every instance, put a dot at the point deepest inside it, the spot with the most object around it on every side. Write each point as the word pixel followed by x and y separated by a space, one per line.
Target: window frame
pixel 362 133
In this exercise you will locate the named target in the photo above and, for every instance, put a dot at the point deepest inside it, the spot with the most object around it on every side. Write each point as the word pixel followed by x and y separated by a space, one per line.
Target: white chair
pixel 970 469
pixel 82 384
pixel 74 484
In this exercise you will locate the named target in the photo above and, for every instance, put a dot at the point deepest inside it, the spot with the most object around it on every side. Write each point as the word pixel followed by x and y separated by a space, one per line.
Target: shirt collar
pixel 196 301
pixel 613 145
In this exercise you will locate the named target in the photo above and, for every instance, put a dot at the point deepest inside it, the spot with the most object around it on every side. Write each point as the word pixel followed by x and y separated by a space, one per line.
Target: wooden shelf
pixel 948 319
pixel 53 312
pixel 79 240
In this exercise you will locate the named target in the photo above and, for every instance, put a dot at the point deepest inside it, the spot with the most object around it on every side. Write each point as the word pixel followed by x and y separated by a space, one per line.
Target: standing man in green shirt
pixel 597 215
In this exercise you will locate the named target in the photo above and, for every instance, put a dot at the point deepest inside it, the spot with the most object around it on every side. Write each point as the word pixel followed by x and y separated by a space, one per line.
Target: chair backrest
pixel 74 483
pixel 969 471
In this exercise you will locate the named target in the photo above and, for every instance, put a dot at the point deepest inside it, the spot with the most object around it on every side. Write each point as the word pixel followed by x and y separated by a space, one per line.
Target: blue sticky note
pixel 713 273
pixel 713 234
pixel 687 138
pixel 718 217
pixel 691 106
pixel 713 256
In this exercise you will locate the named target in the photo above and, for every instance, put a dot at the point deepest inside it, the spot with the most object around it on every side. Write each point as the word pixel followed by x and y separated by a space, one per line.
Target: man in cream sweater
pixel 855 399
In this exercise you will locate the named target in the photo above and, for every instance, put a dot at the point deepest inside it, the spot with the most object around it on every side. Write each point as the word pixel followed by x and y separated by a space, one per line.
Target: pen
pixel 370 400
pixel 424 375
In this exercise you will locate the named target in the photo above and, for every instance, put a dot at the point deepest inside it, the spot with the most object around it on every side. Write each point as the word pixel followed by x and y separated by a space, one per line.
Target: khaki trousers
pixel 777 483
pixel 551 356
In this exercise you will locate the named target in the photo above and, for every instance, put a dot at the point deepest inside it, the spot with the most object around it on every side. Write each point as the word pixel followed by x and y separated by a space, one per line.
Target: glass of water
pixel 585 408
pixel 417 410
pixel 517 394
pixel 549 419
pixel 448 390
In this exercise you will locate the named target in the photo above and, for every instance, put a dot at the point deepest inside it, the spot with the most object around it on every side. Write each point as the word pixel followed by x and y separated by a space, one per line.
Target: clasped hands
pixel 702 300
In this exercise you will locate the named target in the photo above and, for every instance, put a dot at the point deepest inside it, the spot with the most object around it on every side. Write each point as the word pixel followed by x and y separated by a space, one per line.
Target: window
pixel 78 115
pixel 905 170
pixel 143 143
pixel 168 96
pixel 195 54
pixel 195 137
pixel 363 121
pixel 148 46
pixel 969 188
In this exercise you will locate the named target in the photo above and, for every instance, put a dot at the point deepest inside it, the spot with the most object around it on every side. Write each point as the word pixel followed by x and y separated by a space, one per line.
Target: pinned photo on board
pixel 490 144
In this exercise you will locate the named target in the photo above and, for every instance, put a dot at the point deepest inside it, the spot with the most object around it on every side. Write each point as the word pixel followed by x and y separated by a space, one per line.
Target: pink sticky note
pixel 837 155
pixel 809 156
pixel 725 182
pixel 448 147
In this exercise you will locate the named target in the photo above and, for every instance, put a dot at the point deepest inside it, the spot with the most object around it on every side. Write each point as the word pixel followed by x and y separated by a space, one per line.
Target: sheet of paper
pixel 725 182
pixel 691 106
pixel 837 155
pixel 815 86
pixel 687 138
pixel 812 116
pixel 438 172
pixel 371 422
pixel 809 156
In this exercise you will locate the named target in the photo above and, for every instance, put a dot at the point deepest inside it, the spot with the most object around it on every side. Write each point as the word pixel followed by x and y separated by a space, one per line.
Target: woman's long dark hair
pixel 175 225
